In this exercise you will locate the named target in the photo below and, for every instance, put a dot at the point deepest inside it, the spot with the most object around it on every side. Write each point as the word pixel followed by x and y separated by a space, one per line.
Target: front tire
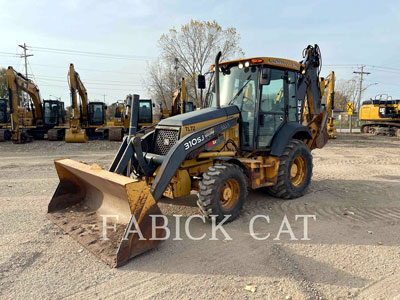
pixel 295 171
pixel 222 191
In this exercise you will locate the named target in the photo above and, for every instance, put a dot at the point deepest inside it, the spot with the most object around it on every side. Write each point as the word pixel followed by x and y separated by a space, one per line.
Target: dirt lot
pixel 353 252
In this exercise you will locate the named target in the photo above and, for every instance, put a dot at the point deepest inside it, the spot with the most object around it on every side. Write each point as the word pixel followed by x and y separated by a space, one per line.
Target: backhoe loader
pixel 381 116
pixel 120 124
pixel 265 118
pixel 36 120
pixel 87 117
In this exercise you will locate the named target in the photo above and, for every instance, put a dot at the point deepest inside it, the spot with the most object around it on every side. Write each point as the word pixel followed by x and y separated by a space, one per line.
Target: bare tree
pixel 187 53
pixel 346 91
pixel 3 84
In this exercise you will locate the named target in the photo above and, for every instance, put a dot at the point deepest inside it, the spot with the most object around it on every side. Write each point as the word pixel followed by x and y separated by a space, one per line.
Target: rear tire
pixel 222 191
pixel 295 171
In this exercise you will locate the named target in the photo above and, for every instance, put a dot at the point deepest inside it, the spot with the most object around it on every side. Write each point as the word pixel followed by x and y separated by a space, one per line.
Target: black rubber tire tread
pixel 210 187
pixel 284 188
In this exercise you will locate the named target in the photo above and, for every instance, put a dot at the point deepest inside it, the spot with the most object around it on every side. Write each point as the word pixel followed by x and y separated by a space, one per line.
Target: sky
pixel 349 33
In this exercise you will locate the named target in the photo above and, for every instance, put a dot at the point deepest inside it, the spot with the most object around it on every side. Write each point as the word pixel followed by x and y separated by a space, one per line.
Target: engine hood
pixel 200 116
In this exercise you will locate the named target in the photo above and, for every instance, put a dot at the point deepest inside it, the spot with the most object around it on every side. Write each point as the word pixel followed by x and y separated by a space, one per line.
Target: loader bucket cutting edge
pixel 86 193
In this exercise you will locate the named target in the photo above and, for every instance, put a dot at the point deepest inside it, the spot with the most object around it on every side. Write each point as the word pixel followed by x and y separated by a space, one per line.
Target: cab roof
pixel 269 61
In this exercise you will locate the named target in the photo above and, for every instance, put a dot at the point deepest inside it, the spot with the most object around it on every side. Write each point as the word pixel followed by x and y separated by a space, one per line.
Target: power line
pixel 89 70
pixel 91 54
pixel 93 83
pixel 382 67
pixel 96 88
pixel 90 80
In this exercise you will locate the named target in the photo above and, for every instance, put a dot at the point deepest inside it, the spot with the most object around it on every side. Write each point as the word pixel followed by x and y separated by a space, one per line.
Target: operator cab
pixel 97 113
pixel 3 111
pixel 265 95
pixel 145 111
pixel 53 113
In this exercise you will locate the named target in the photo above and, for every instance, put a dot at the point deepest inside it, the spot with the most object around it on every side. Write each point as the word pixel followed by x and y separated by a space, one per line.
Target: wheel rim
pixel 298 171
pixel 229 194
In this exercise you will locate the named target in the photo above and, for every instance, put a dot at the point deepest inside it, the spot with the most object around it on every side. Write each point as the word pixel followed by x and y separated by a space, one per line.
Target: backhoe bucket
pixel 75 136
pixel 100 209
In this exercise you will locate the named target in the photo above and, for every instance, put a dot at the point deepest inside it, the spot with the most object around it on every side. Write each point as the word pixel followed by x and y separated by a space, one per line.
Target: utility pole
pixel 104 98
pixel 25 56
pixel 361 81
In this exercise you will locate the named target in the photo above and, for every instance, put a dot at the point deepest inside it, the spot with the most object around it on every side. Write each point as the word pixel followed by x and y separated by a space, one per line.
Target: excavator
pixel 87 117
pixel 180 105
pixel 381 116
pixel 120 124
pixel 265 119
pixel 36 120
pixel 5 133
pixel 329 82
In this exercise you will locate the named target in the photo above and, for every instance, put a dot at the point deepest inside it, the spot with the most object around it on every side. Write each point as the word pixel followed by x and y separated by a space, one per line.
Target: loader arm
pixel 147 164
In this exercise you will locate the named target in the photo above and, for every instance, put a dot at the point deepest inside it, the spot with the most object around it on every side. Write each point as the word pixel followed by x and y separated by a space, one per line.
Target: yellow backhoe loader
pixel 120 124
pixel 42 118
pixel 265 118
pixel 381 116
pixel 88 118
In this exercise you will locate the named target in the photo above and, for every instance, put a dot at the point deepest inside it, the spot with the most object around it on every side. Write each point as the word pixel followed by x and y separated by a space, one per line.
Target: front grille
pixel 165 139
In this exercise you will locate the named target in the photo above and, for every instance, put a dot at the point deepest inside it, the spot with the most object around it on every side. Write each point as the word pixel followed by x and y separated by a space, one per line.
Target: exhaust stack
pixel 217 58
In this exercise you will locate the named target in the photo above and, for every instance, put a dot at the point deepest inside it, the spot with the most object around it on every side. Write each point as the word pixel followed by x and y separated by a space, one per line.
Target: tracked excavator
pixel 88 118
pixel 381 116
pixel 180 105
pixel 329 82
pixel 36 120
pixel 120 125
pixel 265 119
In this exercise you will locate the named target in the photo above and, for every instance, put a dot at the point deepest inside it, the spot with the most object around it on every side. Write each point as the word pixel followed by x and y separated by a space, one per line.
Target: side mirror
pixel 201 82
pixel 154 105
pixel 265 75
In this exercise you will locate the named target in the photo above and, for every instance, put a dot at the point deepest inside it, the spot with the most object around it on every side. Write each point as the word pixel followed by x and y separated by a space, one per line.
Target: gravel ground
pixel 353 251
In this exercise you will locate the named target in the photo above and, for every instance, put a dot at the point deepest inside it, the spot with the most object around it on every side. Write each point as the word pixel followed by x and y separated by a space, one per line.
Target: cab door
pixel 273 104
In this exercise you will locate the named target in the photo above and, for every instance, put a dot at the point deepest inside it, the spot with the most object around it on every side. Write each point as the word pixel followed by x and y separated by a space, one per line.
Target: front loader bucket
pixel 86 194
pixel 75 136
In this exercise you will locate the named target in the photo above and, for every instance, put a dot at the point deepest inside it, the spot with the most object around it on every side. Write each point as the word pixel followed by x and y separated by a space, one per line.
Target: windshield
pixel 235 82
pixel 96 113
pixel 238 86
pixel 145 113
pixel 50 113
pixel 3 111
